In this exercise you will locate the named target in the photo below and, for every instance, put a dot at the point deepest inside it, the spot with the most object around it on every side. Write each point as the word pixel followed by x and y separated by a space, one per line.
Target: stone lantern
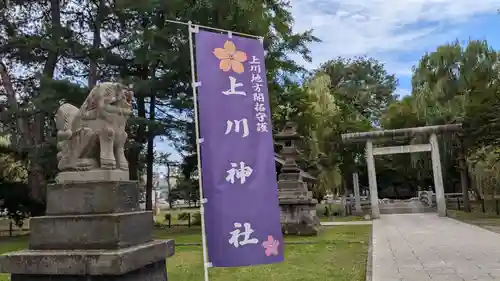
pixel 298 207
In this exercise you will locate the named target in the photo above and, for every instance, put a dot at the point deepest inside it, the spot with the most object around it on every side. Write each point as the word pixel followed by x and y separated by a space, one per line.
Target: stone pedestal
pixel 92 231
pixel 297 206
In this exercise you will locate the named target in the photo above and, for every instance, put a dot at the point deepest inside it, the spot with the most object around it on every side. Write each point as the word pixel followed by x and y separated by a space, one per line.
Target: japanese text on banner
pixel 239 178
pixel 258 95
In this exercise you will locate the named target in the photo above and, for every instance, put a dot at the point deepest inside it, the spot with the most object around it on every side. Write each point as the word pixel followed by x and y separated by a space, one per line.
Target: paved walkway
pixel 422 247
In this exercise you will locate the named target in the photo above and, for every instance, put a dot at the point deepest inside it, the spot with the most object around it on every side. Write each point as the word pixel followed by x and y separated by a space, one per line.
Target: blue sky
pixel 396 33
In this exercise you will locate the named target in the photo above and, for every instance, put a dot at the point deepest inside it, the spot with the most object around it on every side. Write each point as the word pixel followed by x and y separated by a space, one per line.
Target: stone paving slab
pixel 425 247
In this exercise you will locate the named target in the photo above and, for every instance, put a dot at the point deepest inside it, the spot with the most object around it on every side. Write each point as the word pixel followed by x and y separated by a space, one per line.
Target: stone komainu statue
pixel 93 137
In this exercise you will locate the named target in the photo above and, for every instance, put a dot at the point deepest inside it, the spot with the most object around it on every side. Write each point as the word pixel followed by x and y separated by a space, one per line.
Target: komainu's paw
pixel 85 164
pixel 123 166
pixel 108 164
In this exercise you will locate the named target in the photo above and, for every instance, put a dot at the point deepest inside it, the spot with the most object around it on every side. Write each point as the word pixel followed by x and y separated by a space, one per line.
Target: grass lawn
pixel 490 221
pixel 335 213
pixel 342 219
pixel 339 254
pixel 462 215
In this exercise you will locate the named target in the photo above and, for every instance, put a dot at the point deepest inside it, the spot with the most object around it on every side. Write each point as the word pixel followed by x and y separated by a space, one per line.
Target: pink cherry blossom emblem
pixel 271 246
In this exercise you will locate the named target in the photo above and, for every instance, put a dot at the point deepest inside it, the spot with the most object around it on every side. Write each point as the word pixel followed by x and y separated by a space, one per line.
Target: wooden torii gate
pixel 433 146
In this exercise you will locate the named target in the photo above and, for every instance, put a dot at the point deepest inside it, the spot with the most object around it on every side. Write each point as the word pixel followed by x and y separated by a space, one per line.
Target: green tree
pixel 362 84
pixel 444 84
pixel 394 168
pixel 273 21
pixel 321 111
pixel 401 114
pixel 11 169
pixel 362 90
pixel 35 47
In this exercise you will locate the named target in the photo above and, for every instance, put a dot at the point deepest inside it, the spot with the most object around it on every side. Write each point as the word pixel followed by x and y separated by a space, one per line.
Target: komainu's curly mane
pixel 105 89
pixel 64 116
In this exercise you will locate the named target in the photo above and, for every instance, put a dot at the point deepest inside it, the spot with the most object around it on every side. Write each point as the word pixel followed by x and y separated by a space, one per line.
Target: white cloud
pixel 384 29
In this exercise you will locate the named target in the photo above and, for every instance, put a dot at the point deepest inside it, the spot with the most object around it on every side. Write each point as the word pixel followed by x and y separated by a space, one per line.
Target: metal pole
pixel 194 86
pixel 169 187
pixel 216 29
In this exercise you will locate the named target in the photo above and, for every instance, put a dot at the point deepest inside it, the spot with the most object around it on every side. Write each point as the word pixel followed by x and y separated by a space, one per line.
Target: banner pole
pixel 194 84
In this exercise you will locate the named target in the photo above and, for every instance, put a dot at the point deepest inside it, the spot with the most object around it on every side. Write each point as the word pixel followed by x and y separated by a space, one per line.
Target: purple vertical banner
pixel 242 216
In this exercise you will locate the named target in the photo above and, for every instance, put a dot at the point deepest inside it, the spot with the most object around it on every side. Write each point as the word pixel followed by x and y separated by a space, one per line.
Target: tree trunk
pixel 395 188
pixel 134 152
pixel 96 44
pixel 159 22
pixel 19 137
pixel 150 154
pixel 473 186
pixel 169 198
pixel 464 182
pixel 344 200
pixel 36 175
pixel 464 177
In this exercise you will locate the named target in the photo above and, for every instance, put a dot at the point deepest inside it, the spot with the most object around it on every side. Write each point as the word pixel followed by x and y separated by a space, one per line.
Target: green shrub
pixel 196 219
pixel 168 216
pixel 335 210
pixel 326 213
pixel 184 216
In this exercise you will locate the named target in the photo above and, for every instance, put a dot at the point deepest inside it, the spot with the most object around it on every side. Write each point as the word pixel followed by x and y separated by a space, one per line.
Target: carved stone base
pixel 102 231
pixel 92 176
pixel 85 262
pixel 299 219
pixel 92 198
pixel 152 272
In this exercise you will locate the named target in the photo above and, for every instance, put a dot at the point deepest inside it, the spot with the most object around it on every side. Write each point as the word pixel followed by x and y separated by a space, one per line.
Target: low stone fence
pixel 485 206
pixel 8 228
